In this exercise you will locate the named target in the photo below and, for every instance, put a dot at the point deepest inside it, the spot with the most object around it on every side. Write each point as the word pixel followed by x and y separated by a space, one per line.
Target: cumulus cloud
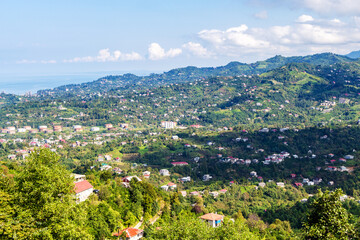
pixel 261 15
pixel 104 55
pixel 197 49
pixel 305 18
pixel 304 36
pixel 156 52
pixel 241 37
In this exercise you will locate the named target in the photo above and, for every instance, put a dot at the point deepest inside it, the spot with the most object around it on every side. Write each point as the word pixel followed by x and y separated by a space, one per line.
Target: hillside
pixel 189 74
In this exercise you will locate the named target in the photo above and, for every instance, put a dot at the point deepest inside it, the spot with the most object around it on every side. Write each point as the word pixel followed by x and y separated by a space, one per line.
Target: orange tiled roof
pixel 212 216
pixel 82 186
pixel 130 232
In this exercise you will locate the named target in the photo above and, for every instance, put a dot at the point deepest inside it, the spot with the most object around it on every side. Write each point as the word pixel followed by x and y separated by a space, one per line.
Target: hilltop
pixel 191 73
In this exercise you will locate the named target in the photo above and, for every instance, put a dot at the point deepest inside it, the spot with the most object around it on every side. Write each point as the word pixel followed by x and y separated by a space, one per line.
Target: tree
pixel 328 219
pixel 43 204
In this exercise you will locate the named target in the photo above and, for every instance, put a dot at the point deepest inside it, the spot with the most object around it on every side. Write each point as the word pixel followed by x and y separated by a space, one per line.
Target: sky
pixel 40 38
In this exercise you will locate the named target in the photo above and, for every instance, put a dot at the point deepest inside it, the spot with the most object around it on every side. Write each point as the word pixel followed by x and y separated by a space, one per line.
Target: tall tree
pixel 43 203
pixel 328 219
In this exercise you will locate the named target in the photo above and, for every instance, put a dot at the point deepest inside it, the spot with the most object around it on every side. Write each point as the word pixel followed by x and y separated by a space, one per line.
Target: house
pixel 131 234
pixel 108 126
pixel 183 193
pixel 253 174
pixel 175 137
pixel 195 193
pixel 222 191
pixel 214 194
pixel 213 219
pixel 95 129
pixel 57 128
pixel 83 190
pixel 164 172
pixel 78 177
pixel 280 184
pixel 293 175
pixel 179 164
pixel 168 125
pixel 207 177
pixel 77 128
pixel 343 169
pixel 170 186
pixel 298 184
pixel 349 157
pixel 331 168
pixel 105 167
pixel 185 179
pixel 128 178
pixel 117 170
pixel 262 184
pixel 146 174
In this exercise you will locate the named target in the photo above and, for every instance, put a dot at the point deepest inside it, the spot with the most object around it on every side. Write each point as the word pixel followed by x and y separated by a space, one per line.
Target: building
pixel 109 126
pixel 77 128
pixel 175 164
pixel 213 219
pixel 42 128
pixel 207 177
pixel 83 190
pixel 131 234
pixel 95 129
pixel 57 128
pixel 128 178
pixel 78 177
pixel 164 172
pixel 167 124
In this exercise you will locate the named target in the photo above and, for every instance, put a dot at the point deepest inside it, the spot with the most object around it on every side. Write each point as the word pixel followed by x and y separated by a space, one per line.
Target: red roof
pixel 82 186
pixel 130 232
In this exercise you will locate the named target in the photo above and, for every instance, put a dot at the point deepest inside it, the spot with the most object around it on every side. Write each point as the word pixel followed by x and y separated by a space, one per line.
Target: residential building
pixel 168 124
pixel 131 234
pixel 164 172
pixel 83 190
pixel 213 219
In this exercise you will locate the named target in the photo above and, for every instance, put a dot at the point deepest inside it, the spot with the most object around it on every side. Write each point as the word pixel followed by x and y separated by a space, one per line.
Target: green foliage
pixel 328 219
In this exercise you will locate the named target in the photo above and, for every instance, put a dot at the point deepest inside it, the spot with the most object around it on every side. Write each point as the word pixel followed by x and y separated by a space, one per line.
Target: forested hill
pixel 190 73
pixel 290 95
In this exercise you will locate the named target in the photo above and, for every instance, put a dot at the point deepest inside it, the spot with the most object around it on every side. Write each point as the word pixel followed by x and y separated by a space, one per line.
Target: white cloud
pixel 341 7
pixel 261 15
pixel 305 18
pixel 104 55
pixel 156 52
pixel 25 61
pixel 236 37
pixel 304 36
pixel 197 49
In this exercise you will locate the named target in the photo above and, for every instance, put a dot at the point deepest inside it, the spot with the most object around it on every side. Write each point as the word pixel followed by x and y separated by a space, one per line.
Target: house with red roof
pixel 179 164
pixel 131 234
pixel 213 219
pixel 83 190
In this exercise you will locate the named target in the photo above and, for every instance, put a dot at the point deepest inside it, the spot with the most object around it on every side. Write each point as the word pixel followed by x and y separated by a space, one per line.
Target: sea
pixel 24 84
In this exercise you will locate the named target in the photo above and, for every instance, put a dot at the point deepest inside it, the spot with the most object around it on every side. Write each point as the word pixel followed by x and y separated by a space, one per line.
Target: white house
pixel 164 172
pixel 83 190
pixel 213 219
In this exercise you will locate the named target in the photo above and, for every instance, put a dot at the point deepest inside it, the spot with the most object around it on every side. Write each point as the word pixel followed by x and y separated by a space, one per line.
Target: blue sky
pixel 67 37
